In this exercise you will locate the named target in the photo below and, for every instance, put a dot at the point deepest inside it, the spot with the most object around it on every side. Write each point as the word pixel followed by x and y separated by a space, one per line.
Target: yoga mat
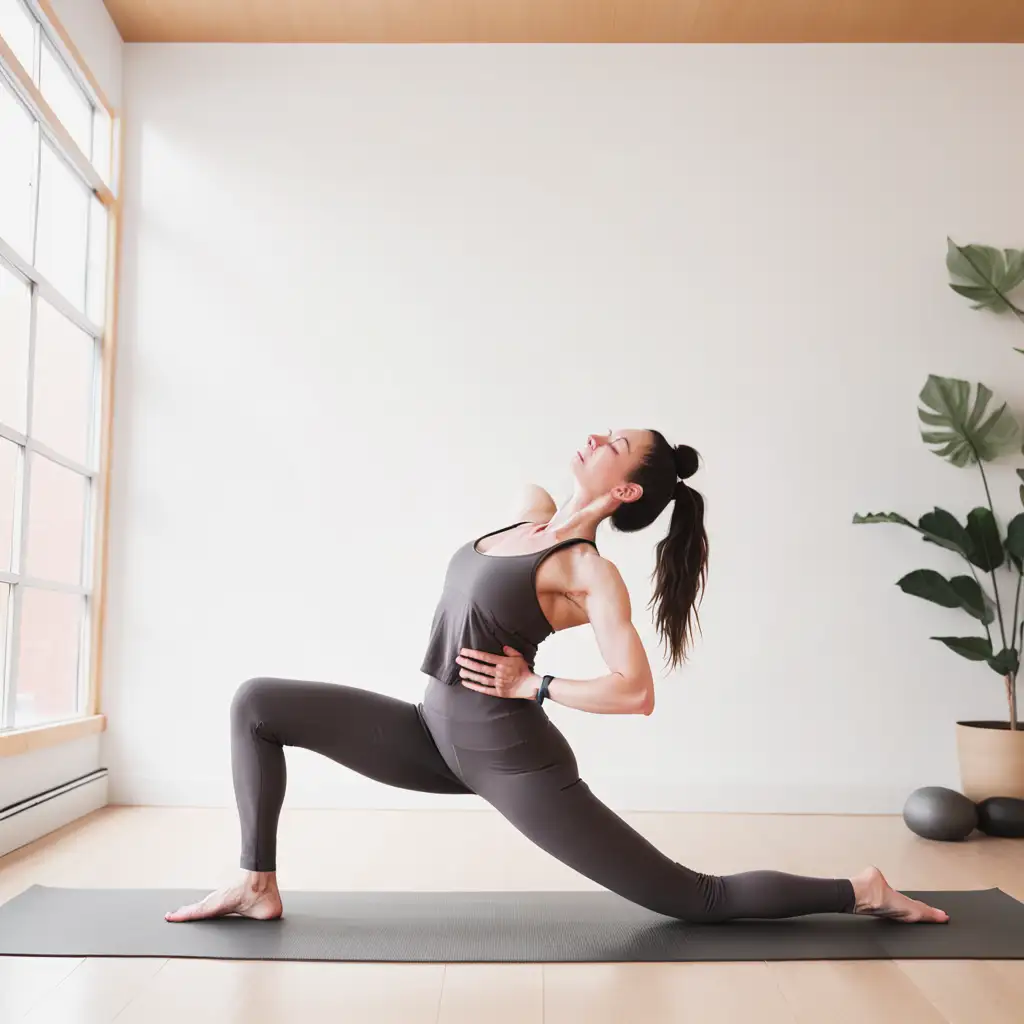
pixel 520 927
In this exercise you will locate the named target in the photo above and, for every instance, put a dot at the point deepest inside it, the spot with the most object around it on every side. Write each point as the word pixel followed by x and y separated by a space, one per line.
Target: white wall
pixel 369 292
pixel 94 33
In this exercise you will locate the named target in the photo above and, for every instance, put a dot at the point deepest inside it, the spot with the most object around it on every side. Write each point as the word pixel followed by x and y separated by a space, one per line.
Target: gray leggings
pixel 509 753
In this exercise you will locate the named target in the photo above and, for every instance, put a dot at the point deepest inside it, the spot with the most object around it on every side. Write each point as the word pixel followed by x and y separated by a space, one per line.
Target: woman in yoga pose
pixel 481 726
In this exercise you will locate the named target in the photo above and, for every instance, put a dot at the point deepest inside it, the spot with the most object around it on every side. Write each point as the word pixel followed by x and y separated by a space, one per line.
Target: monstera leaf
pixel 963 430
pixel 990 275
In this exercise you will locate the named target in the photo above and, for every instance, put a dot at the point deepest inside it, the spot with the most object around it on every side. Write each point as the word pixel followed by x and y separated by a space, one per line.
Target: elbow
pixel 642 700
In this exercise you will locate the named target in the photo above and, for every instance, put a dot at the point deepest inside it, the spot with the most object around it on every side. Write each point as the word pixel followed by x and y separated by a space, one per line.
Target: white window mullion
pixel 11 673
pixel 15 579
pixel 61 460
pixel 25 88
pixel 46 290
pixel 20 545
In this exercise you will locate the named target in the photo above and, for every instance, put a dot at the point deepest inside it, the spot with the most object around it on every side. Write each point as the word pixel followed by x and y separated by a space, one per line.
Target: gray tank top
pixel 488 601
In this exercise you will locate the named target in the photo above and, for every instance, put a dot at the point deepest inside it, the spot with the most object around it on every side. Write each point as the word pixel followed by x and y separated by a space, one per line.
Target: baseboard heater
pixel 36 816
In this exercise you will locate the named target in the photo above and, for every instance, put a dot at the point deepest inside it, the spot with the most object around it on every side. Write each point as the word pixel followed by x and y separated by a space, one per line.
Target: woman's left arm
pixel 628 687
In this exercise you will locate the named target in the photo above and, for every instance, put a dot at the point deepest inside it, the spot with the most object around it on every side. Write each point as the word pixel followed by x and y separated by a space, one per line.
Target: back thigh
pixel 569 822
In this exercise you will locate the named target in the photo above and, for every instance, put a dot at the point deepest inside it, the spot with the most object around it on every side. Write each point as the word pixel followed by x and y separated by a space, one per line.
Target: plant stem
pixel 984 480
pixel 1016 605
pixel 970 565
pixel 1011 698
pixel 992 572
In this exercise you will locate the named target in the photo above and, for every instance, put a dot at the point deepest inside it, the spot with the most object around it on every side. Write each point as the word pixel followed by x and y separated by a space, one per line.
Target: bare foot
pixel 877 898
pixel 256 896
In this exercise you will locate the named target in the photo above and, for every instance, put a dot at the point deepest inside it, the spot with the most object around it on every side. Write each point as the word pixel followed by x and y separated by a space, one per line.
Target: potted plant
pixel 959 426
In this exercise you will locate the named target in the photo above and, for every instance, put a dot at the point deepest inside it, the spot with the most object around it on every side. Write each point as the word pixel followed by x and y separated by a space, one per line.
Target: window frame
pixel 95 471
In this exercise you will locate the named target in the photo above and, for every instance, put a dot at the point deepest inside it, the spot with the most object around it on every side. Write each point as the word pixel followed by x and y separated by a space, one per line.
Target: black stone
pixel 935 812
pixel 1002 816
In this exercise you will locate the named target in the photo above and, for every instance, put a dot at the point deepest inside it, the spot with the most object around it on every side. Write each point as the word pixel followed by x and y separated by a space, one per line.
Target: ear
pixel 627 493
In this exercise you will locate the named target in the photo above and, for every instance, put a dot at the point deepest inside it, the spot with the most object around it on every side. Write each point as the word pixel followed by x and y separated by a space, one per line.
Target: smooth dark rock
pixel 1002 816
pixel 935 812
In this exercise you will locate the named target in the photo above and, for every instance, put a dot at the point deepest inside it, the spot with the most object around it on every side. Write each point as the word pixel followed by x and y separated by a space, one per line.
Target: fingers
pixel 477 677
pixel 475 666
pixel 492 659
pixel 491 691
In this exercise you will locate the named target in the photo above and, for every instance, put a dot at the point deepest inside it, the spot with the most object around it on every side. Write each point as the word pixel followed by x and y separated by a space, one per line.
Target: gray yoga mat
pixel 488 927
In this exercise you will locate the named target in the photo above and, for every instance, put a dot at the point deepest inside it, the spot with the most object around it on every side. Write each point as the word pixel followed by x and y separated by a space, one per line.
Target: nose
pixel 594 440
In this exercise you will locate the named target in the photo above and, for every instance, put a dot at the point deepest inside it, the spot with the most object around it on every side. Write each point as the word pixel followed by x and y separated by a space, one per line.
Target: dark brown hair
pixel 681 559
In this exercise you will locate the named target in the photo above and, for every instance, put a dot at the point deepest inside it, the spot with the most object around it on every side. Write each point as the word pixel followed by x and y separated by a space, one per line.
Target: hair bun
pixel 687 461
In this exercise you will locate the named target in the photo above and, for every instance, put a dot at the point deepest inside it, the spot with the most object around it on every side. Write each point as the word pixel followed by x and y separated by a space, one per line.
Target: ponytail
pixel 681 557
pixel 680 573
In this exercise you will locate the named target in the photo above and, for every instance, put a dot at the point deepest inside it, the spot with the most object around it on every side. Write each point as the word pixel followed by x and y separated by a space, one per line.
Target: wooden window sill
pixel 22 741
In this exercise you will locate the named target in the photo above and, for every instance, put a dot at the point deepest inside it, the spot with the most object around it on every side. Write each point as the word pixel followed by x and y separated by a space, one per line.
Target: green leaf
pixel 959 592
pixel 931 586
pixel 991 274
pixel 986 550
pixel 1006 662
pixel 972 598
pixel 882 517
pixel 974 648
pixel 1015 540
pixel 969 431
pixel 943 528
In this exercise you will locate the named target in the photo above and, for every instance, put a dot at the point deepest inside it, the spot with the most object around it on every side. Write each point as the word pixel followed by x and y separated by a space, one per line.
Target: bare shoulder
pixel 595 574
pixel 588 579
pixel 535 504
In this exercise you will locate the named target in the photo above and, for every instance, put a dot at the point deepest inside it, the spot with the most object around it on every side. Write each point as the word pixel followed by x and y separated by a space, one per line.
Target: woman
pixel 481 727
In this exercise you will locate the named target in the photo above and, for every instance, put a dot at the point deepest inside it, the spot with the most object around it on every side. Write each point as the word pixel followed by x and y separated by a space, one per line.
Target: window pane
pixel 49 639
pixel 18 28
pixel 96 281
pixel 10 457
pixel 101 143
pixel 17 173
pixel 66 99
pixel 62 227
pixel 62 384
pixel 56 522
pixel 15 310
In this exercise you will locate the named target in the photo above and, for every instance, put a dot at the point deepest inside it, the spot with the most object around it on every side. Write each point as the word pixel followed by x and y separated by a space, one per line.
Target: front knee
pixel 249 704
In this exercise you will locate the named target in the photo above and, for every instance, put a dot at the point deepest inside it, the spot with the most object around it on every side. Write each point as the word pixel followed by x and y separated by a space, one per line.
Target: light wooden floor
pixel 409 850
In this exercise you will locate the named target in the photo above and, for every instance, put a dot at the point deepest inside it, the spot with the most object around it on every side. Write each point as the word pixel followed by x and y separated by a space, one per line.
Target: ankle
pixel 261 881
pixel 866 889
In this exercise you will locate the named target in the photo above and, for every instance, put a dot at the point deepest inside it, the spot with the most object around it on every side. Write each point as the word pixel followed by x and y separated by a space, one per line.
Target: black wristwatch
pixel 542 691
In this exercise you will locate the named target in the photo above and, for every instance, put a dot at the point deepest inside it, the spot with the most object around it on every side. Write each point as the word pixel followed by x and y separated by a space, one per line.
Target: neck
pixel 578 516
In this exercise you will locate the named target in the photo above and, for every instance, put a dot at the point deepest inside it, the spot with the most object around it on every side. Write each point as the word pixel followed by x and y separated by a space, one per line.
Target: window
pixel 55 210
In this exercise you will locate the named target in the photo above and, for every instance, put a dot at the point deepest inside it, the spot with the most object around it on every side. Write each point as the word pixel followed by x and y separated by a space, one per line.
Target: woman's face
pixel 606 461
